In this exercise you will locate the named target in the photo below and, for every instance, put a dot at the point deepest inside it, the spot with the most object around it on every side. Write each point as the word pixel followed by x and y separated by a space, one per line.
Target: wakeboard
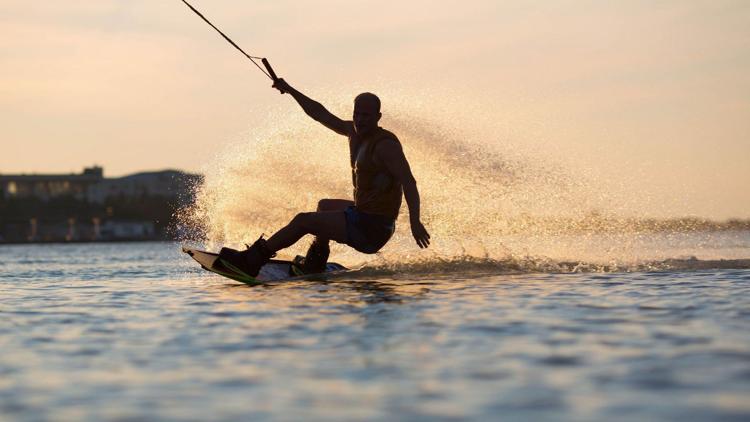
pixel 274 270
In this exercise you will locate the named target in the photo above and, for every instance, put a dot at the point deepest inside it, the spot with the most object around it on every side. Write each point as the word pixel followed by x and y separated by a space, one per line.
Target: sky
pixel 656 89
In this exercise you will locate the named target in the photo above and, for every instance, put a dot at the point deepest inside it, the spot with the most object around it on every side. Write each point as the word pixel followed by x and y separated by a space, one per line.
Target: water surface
pixel 136 332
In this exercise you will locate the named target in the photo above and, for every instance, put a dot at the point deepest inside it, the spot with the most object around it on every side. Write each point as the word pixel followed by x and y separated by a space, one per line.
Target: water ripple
pixel 155 339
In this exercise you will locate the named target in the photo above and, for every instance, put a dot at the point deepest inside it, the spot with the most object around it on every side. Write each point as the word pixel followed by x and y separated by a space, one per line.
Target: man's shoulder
pixel 386 139
pixel 388 146
pixel 387 134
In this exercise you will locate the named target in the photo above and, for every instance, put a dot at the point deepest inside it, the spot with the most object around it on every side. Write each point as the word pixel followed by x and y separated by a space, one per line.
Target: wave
pixel 474 266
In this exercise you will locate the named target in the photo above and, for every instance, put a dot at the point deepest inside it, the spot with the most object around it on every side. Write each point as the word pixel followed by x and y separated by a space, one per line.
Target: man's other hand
pixel 420 234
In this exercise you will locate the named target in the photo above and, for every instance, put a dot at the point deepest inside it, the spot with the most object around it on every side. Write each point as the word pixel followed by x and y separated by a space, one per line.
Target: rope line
pixel 229 40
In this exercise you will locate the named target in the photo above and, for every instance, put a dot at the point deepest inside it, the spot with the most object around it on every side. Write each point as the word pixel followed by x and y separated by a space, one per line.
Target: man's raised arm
pixel 315 109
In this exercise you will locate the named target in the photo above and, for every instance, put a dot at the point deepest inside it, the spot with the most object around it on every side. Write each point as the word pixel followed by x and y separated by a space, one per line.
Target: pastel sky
pixel 659 88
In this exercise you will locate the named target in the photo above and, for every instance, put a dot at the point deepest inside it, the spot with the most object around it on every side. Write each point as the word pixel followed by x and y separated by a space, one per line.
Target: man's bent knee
pixel 333 204
pixel 328 205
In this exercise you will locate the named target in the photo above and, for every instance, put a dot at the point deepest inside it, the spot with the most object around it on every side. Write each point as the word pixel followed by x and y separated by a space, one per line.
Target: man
pixel 380 174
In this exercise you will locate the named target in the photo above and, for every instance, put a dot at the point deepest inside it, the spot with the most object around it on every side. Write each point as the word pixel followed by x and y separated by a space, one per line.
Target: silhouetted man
pixel 380 174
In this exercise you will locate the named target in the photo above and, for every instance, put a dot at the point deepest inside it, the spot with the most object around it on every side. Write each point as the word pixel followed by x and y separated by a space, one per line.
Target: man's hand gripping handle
pixel 272 73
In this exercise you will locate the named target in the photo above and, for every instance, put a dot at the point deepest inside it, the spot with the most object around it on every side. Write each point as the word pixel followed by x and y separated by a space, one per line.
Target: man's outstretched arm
pixel 392 156
pixel 315 109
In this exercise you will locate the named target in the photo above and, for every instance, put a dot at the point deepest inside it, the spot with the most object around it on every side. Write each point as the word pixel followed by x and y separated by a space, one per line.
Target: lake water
pixel 135 331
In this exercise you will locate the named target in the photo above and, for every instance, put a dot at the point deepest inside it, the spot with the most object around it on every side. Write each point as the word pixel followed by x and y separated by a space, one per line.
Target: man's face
pixel 366 116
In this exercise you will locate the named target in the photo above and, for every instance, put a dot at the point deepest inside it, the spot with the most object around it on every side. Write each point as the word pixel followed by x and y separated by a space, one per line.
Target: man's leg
pixel 331 205
pixel 329 223
pixel 317 254
pixel 334 204
pixel 325 225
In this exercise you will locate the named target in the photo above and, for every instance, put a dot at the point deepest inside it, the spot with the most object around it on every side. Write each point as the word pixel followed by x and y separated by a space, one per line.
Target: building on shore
pixel 49 186
pixel 90 207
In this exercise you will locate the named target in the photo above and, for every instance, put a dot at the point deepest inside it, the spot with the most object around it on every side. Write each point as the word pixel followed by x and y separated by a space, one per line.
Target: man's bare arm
pixel 315 109
pixel 392 156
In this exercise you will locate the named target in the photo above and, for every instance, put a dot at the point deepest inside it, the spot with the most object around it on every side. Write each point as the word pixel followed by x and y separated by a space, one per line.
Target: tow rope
pixel 270 73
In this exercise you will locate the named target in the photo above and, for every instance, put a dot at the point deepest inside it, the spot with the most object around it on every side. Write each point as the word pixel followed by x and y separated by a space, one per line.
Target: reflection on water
pixel 135 331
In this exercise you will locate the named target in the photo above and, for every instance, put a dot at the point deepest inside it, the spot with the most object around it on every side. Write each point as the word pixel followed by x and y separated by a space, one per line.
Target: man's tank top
pixel 376 190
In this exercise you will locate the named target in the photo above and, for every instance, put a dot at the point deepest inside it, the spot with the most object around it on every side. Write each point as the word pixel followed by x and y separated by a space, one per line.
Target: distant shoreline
pixel 64 242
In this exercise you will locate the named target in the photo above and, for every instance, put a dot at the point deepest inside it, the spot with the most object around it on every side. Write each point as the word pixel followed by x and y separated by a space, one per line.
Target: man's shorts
pixel 367 233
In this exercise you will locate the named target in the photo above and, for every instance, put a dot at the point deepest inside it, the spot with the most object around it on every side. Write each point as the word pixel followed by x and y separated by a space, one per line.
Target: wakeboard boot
pixel 249 261
pixel 316 257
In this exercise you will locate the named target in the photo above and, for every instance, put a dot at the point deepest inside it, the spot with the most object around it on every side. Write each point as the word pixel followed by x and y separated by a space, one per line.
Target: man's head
pixel 366 113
